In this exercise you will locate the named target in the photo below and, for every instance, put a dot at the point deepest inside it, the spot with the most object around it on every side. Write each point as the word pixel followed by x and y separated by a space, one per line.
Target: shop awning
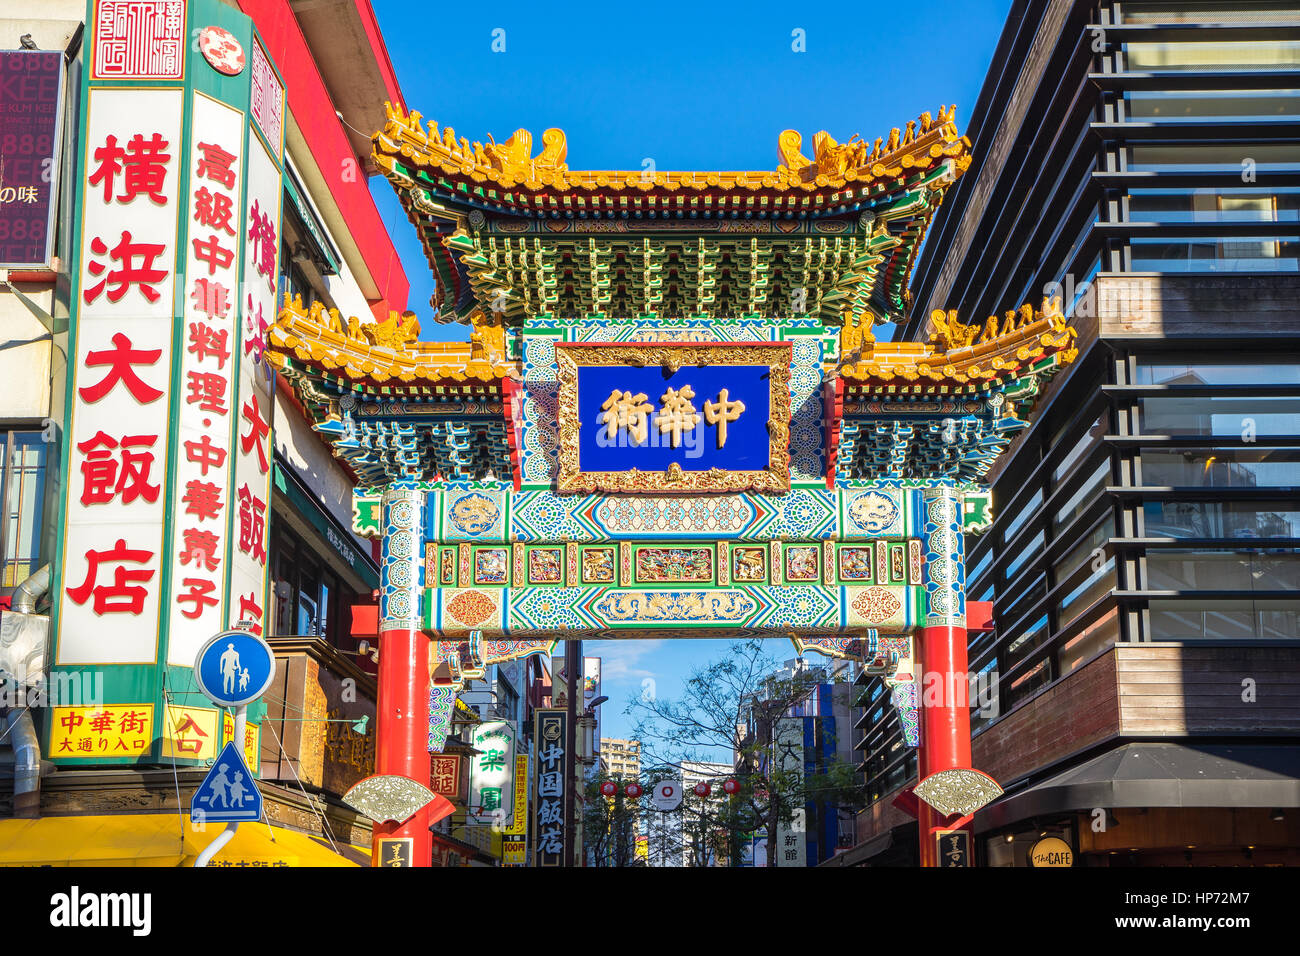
pixel 152 839
pixel 1160 775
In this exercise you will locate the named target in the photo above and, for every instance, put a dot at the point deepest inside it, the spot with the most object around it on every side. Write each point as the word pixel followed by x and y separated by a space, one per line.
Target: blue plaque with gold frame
pixel 655 417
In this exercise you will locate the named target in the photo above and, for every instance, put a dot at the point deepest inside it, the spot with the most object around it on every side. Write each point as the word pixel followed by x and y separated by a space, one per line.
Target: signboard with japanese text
pixel 791 836
pixel 518 825
pixel 31 134
pixel 168 431
pixel 444 775
pixel 491 774
pixel 698 417
pixel 549 787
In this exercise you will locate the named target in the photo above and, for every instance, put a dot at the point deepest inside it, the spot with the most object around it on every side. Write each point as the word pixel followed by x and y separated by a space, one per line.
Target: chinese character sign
pixel 549 787
pixel 444 775
pixel 700 417
pixel 139 40
pixel 30 132
pixel 791 837
pixel 200 546
pixel 122 376
pixel 491 774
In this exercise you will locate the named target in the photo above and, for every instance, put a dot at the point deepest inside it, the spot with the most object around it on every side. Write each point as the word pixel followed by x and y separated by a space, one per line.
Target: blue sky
pixel 689 86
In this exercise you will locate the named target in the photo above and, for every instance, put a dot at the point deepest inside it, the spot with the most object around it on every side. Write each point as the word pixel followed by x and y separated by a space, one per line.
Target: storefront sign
pixel 394 852
pixel 1051 852
pixel 953 847
pixel 549 824
pixel 519 825
pixel 792 836
pixel 491 774
pixel 31 134
pixel 444 774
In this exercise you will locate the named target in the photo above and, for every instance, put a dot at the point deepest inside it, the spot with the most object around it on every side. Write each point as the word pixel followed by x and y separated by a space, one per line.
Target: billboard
pixel 31 134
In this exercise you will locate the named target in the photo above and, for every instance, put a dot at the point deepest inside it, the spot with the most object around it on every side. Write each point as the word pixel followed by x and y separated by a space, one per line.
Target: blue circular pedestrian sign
pixel 234 668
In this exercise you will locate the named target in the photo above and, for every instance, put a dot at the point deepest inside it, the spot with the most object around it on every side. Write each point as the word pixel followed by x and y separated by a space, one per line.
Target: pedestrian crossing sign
pixel 228 793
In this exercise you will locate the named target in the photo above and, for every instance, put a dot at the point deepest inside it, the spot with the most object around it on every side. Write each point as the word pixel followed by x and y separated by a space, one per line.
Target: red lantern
pixel 703 789
pixel 609 788
pixel 731 786
pixel 633 790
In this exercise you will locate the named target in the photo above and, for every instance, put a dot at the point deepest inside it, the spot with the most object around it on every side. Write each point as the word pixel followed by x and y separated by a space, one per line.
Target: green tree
pixel 733 704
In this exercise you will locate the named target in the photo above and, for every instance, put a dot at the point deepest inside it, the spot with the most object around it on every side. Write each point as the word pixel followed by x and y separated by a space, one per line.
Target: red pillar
pixel 945 720
pixel 402 731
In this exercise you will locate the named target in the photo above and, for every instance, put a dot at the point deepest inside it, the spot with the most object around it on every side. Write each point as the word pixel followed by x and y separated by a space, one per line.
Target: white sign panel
pixel 491 774
pixel 791 838
pixel 121 370
pixel 667 795
pixel 210 331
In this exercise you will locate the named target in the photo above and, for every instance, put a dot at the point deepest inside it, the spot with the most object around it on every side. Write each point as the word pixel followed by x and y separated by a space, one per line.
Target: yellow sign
pixel 113 730
pixel 513 850
pixel 519 825
pixel 191 733
pixel 1051 851
pixel 252 738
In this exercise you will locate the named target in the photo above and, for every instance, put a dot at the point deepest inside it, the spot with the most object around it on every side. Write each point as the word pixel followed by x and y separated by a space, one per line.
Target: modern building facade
pixel 622 757
pixel 1140 694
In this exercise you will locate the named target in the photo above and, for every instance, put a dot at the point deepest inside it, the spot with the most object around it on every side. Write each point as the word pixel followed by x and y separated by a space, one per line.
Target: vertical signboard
pixel 791 837
pixel 491 773
pixel 177 218
pixel 549 787
pixel 31 133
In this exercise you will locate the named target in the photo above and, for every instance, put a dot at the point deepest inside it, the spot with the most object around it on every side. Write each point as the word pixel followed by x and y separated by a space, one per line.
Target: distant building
pixel 622 757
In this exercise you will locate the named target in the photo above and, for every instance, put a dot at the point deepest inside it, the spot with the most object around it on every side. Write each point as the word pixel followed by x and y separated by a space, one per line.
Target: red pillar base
pixel 402 742
pixel 945 725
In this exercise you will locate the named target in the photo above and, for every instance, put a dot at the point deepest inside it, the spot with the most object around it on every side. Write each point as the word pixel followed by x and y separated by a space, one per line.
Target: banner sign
pixel 791 837
pixel 491 774
pixel 31 136
pixel 695 417
pixel 549 824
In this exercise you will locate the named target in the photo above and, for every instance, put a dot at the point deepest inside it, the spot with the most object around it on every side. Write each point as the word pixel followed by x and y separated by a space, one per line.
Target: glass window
pixel 1281 369
pixel 1202 55
pixel 1264 157
pixel 22 482
pixel 1184 620
pixel 1078 449
pixel 1238 416
pixel 1246 254
pixel 1214 205
pixel 1196 106
pixel 1222 519
pixel 1221 467
pixel 1191 12
pixel 1078 502
pixel 1088 642
pixel 1032 550
pixel 1027 640
pixel 1223 571
pixel 1026 512
pixel 1027 684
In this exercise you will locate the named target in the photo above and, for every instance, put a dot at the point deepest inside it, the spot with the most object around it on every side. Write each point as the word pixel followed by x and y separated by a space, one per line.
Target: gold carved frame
pixel 569 357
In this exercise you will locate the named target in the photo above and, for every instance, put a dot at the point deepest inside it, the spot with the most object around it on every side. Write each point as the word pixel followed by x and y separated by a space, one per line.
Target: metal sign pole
pixel 213 848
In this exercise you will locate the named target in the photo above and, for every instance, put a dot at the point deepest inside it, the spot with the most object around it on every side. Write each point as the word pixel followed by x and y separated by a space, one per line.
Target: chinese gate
pixel 671 419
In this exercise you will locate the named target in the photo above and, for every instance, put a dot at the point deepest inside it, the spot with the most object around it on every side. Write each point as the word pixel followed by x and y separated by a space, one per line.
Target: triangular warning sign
pixel 228 793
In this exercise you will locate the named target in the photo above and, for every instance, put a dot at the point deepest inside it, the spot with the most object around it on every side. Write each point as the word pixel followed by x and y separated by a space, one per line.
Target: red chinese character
pixel 120 361
pixel 213 210
pixel 125 252
pixel 213 253
pixel 200 592
pixel 252 524
pixel 215 165
pixel 211 298
pixel 258 429
pixel 255 326
pixel 205 454
pixel 133 722
pixel 101 723
pixel 71 721
pixel 250 610
pixel 205 342
pixel 143 165
pixel 202 499
pixel 131 595
pixel 105 477
pixel 188 746
pixel 262 235
pixel 201 547
pixel 208 391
